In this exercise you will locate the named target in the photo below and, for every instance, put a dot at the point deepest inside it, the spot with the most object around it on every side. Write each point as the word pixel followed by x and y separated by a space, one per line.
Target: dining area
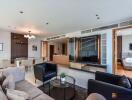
pixel 28 63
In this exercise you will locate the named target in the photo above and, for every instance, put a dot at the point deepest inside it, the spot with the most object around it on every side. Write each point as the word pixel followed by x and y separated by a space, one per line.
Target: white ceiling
pixel 63 16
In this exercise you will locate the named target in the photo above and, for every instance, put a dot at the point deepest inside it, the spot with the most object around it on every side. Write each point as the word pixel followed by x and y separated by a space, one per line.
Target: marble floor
pixel 80 76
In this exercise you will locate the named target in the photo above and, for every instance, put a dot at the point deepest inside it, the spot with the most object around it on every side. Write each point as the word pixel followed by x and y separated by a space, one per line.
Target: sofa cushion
pixel 9 82
pixel 124 82
pixel 2 95
pixel 28 88
pixel 95 96
pixel 43 97
pixel 2 78
pixel 18 73
pixel 17 95
pixel 130 79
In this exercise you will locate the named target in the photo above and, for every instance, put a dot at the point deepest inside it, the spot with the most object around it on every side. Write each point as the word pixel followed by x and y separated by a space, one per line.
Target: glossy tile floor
pixel 80 76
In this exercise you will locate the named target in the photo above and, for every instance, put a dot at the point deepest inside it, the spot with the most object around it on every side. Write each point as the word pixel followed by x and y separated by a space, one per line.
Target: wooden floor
pixel 122 71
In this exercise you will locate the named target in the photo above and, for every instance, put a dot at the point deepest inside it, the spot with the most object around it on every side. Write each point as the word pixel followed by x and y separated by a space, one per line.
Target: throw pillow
pixel 18 73
pixel 2 95
pixel 95 96
pixel 130 79
pixel 17 95
pixel 9 82
pixel 2 77
pixel 124 82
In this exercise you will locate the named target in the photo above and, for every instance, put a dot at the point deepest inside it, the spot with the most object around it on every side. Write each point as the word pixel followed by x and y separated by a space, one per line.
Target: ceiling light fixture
pixel 97 16
pixel 47 23
pixel 21 12
pixel 29 36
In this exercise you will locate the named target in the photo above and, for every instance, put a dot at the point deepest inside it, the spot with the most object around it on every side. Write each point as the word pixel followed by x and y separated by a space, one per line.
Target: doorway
pixel 51 52
pixel 121 41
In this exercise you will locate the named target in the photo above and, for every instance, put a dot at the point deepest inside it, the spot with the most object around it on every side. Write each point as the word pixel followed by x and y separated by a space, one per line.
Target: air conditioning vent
pixel 105 27
pixel 85 31
pixel 127 23
pixel 56 37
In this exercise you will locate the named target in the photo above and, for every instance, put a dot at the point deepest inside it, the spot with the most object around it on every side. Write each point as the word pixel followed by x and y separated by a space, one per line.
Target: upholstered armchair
pixel 45 71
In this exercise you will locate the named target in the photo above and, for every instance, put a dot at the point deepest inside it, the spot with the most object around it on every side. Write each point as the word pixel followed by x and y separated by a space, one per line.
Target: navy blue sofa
pixel 107 85
pixel 45 71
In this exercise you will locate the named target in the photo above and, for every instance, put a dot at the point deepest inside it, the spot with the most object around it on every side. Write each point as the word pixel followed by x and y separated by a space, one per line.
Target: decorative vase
pixel 63 80
pixel 18 63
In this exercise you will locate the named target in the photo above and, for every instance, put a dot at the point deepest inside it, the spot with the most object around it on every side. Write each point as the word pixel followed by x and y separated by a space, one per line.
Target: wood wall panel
pixel 44 47
pixel 19 46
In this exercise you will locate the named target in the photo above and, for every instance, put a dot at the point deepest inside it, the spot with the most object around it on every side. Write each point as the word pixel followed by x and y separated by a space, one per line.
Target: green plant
pixel 62 75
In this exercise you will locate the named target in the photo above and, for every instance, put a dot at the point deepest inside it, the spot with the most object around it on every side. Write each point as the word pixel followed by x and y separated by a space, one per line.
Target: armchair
pixel 45 71
pixel 107 85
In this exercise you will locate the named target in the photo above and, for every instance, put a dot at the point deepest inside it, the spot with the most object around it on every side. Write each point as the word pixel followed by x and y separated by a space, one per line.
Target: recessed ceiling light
pixel 98 18
pixel 97 15
pixel 21 12
pixel 47 23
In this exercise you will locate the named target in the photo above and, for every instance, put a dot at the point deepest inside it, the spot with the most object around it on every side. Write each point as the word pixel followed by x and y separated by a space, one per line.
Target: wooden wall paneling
pixel 119 48
pixel 44 48
pixel 77 48
pixel 99 48
pixel 114 51
pixel 19 46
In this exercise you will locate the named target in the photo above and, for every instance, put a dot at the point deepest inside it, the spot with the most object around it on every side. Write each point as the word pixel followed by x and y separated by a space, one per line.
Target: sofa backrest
pixel 17 72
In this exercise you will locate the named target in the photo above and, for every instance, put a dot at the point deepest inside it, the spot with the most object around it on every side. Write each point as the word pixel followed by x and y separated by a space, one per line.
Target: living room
pixel 66 50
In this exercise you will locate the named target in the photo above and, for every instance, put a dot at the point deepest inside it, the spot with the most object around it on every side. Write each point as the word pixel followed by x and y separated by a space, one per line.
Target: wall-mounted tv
pixel 130 46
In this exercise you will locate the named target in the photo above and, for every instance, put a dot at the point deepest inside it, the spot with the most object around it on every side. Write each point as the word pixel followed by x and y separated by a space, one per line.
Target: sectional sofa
pixel 23 85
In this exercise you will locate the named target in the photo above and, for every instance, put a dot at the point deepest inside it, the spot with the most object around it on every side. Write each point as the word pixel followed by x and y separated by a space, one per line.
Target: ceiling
pixel 49 17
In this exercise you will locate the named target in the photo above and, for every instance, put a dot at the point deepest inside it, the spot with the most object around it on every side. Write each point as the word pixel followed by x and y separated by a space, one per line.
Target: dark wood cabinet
pixel 19 46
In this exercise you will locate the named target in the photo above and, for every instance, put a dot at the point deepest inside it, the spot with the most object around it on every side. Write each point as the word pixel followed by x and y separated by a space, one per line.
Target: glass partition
pixel 71 48
pixel 89 49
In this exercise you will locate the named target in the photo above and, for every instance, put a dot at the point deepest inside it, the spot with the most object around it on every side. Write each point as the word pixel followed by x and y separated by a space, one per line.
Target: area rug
pixel 80 93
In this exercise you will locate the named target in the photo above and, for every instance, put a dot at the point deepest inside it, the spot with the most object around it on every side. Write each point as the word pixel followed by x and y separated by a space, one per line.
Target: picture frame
pixel 1 46
pixel 130 46
pixel 34 48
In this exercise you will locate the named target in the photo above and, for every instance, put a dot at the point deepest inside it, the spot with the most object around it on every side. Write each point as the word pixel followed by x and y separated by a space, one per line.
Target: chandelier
pixel 29 36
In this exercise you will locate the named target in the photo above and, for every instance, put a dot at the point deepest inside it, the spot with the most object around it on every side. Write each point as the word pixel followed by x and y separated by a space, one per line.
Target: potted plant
pixel 63 77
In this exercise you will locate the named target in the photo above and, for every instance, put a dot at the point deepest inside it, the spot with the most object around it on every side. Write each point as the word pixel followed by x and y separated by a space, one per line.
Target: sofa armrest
pixel 106 89
pixel 17 72
pixel 107 77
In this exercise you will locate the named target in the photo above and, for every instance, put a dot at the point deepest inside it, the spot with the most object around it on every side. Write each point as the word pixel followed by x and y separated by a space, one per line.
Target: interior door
pixel 51 52
pixel 63 48
pixel 119 48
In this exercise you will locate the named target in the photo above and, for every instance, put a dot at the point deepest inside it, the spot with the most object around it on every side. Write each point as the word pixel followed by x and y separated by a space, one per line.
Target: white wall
pixel 126 40
pixel 5 38
pixel 36 42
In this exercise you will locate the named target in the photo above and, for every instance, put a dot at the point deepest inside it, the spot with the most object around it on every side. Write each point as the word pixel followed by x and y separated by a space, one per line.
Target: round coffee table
pixel 62 90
